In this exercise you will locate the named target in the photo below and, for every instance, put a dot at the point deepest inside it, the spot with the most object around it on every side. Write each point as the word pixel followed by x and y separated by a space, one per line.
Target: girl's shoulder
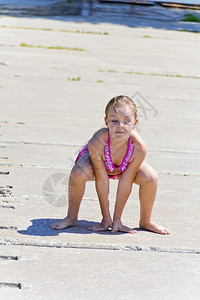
pixel 101 132
pixel 137 141
pixel 100 138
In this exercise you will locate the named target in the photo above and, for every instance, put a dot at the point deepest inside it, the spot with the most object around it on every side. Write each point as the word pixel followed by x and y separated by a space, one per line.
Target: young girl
pixel 115 152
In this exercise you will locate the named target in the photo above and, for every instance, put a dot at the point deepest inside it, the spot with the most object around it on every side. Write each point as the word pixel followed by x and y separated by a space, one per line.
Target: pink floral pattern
pixel 108 160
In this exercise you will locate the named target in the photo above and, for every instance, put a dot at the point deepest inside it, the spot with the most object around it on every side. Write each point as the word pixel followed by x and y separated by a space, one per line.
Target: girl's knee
pixel 76 173
pixel 151 177
pixel 81 173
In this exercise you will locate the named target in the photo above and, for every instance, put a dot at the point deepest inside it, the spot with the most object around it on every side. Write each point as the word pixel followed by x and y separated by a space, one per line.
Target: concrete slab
pixel 31 218
pixel 72 274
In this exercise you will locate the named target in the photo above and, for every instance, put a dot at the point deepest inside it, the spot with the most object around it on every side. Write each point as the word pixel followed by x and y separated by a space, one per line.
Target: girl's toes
pixel 53 226
pixel 165 231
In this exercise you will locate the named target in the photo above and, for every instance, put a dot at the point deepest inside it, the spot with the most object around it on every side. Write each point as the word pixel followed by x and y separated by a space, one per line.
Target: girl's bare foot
pixel 66 222
pixel 150 225
pixel 103 226
pixel 118 226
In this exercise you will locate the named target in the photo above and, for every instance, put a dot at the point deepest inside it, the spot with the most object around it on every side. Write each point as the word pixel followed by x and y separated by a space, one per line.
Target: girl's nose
pixel 120 124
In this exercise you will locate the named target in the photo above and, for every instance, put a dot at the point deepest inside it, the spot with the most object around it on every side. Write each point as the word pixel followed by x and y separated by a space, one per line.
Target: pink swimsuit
pixel 108 160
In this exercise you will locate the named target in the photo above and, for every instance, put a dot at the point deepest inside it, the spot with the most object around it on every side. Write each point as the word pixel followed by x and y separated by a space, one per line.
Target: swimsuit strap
pixel 108 140
pixel 108 160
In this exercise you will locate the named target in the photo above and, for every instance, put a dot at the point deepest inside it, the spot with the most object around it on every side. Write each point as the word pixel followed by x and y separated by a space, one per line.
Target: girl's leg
pixel 146 178
pixel 81 172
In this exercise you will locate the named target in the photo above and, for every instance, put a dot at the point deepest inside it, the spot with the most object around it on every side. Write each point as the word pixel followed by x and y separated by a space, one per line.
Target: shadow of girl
pixel 42 227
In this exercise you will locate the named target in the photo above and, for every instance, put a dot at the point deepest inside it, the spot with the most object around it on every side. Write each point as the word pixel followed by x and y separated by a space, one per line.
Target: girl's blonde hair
pixel 121 100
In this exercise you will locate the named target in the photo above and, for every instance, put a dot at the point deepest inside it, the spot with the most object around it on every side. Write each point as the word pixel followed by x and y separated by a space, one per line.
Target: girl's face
pixel 120 122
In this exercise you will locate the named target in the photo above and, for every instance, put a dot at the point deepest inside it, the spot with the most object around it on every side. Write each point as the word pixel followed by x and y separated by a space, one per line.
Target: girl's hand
pixel 118 226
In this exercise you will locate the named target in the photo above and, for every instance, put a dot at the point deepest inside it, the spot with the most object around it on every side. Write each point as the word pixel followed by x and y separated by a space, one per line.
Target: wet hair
pixel 121 100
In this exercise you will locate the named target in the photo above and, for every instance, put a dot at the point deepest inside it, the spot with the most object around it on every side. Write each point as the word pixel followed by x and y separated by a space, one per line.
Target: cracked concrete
pixel 46 119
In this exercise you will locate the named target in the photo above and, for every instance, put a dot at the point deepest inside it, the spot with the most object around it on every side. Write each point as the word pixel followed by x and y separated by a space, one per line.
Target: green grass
pixel 90 32
pixel 191 18
pixel 3 64
pixel 139 73
pixel 51 47
pixel 162 75
pixel 108 70
pixel 167 75
pixel 100 81
pixel 74 79
pixel 191 31
pixel 151 74
pixel 111 71
pixel 147 37
pixel 57 30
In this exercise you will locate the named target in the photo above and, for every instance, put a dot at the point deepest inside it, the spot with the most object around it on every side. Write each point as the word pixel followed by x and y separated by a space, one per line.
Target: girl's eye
pixel 127 121
pixel 114 121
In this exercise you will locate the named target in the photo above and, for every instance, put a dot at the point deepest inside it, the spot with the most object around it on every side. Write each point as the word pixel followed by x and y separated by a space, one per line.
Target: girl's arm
pixel 96 146
pixel 125 186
